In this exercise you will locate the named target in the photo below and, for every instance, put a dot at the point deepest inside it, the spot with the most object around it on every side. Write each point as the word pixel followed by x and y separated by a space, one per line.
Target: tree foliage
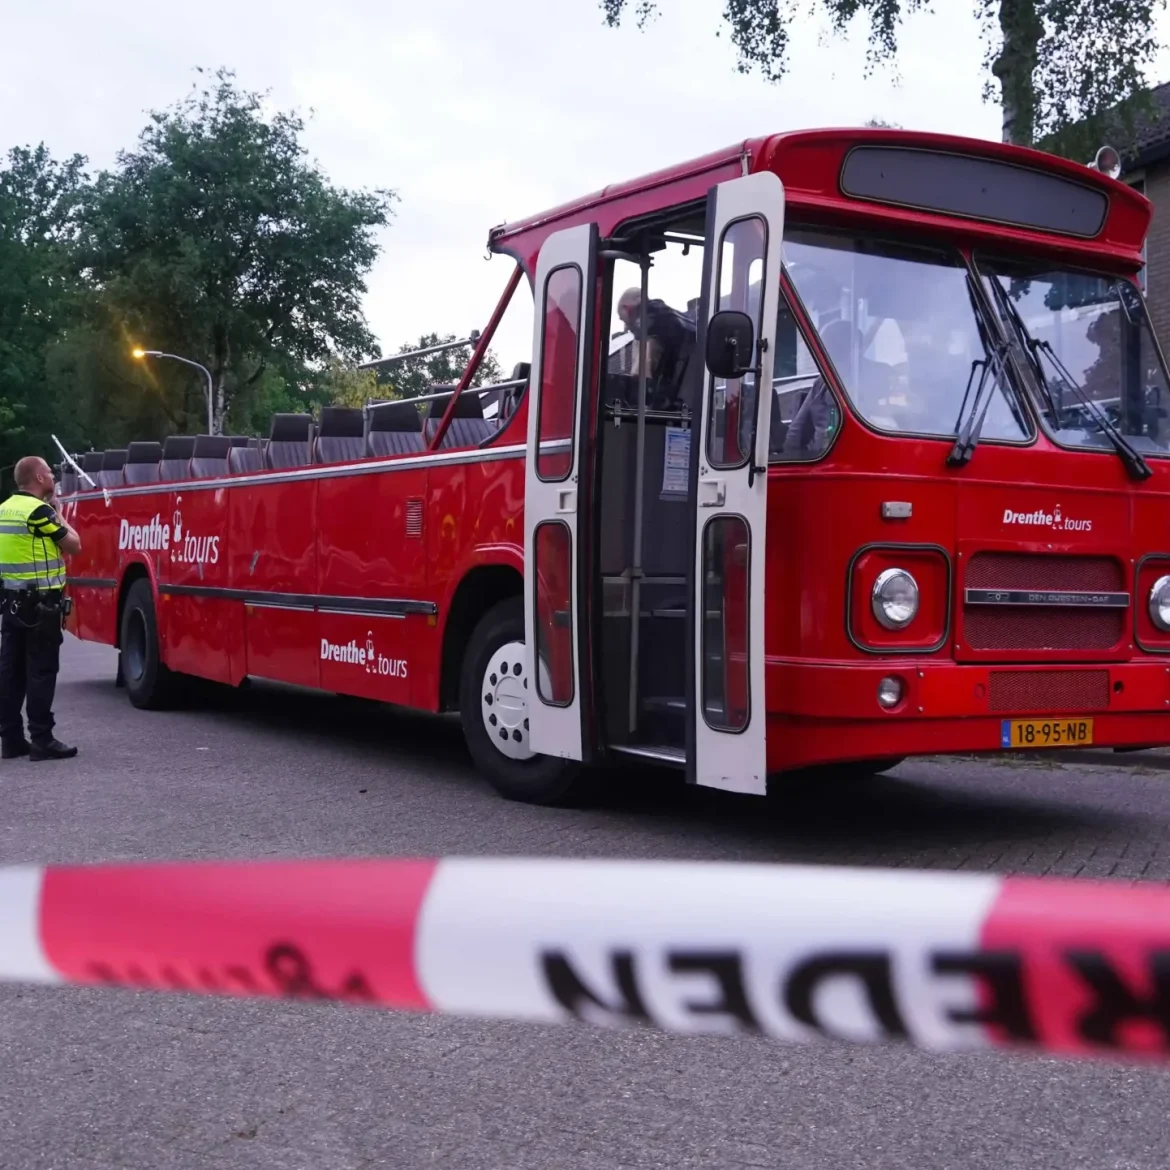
pixel 414 376
pixel 343 385
pixel 39 292
pixel 217 239
pixel 1063 70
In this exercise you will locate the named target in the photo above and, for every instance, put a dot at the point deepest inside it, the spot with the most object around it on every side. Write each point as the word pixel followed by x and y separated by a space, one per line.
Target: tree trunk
pixel 219 408
pixel 1015 68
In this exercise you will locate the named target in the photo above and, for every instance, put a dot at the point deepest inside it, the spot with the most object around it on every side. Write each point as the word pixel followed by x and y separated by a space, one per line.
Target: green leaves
pixel 1064 70
pixel 217 239
pixel 39 290
pixel 414 376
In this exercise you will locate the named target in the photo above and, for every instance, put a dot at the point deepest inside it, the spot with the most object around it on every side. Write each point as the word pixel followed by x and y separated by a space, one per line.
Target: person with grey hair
pixel 670 340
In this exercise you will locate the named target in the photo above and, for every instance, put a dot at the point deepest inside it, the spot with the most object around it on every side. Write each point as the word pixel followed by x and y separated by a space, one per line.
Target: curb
pixel 1157 758
pixel 1150 758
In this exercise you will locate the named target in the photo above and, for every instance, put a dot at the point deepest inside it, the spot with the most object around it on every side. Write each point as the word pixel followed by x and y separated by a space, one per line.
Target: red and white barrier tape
pixel 942 961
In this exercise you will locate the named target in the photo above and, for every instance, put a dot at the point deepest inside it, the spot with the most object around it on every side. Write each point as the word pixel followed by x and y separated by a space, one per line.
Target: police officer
pixel 32 583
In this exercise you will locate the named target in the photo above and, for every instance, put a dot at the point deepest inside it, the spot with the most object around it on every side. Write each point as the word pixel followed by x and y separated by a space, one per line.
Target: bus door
pixel 726 715
pixel 553 584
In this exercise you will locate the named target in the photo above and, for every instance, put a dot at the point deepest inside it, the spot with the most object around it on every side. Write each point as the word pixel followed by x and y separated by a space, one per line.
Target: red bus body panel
pixel 354 531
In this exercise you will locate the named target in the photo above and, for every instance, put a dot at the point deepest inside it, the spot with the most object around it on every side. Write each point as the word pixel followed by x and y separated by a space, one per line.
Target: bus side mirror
pixel 731 344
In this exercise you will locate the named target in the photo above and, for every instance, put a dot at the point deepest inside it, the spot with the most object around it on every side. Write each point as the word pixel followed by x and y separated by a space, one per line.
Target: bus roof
pixel 1090 211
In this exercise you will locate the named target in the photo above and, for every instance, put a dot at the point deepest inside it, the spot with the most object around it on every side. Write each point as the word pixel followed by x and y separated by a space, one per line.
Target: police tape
pixel 946 962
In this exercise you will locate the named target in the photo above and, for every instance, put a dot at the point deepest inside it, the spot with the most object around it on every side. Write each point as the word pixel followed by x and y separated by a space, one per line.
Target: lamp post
pixel 157 353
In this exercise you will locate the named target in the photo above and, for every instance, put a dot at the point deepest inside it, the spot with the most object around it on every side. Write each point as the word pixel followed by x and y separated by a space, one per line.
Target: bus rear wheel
pixel 493 705
pixel 149 684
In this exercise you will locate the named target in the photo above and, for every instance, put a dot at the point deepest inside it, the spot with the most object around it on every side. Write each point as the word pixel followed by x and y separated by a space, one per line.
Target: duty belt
pixel 28 587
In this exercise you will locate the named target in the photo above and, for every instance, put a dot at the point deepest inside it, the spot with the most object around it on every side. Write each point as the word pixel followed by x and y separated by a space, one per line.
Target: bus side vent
pixel 414 517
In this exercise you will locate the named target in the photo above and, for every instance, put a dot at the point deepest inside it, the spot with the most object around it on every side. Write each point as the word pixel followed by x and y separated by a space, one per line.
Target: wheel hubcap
pixel 504 701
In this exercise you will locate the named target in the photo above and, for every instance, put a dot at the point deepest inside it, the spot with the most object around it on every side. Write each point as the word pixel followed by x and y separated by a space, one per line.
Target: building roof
pixel 1149 142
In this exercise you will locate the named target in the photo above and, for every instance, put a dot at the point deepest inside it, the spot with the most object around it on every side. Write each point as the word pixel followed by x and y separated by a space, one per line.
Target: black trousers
pixel 30 656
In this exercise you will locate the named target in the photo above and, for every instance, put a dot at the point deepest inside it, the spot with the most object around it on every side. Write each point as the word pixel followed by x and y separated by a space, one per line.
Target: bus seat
pixel 142 462
pixel 242 460
pixel 67 478
pixel 468 427
pixel 777 428
pixel 521 372
pixel 111 475
pixel 395 428
pixel 209 458
pixel 239 440
pixel 342 434
pixel 290 441
pixel 176 457
pixel 91 464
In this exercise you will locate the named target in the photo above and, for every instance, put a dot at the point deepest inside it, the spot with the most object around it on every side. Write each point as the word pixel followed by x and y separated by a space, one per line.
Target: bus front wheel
pixel 494 699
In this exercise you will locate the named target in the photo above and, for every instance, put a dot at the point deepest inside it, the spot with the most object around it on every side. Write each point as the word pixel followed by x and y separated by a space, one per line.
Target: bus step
pixel 664 703
pixel 661 753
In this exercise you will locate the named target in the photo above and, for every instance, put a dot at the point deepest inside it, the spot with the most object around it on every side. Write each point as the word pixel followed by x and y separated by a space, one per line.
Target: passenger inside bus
pixel 906 356
pixel 670 342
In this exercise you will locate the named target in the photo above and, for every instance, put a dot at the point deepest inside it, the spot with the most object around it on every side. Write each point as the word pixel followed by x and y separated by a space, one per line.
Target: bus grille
pixel 1064 691
pixel 1035 627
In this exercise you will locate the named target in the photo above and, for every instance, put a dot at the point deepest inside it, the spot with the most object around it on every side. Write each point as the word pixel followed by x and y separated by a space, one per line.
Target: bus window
pixel 559 373
pixel 1098 330
pixel 900 328
pixel 740 262
pixel 805 415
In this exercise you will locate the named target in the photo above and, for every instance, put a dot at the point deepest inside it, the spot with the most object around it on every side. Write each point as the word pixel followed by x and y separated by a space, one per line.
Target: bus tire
pixel 149 684
pixel 494 713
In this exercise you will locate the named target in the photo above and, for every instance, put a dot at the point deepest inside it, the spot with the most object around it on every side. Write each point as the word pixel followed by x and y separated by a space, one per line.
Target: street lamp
pixel 157 353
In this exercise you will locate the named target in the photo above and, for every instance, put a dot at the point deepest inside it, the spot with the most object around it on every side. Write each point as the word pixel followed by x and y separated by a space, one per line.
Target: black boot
pixel 52 749
pixel 13 749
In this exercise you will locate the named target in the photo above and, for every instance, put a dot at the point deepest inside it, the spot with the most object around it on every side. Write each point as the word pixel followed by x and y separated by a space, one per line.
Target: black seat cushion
pixel 290 441
pixel 395 428
pixel 341 435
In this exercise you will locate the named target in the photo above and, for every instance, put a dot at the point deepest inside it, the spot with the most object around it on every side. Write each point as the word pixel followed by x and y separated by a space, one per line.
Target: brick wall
pixel 1157 190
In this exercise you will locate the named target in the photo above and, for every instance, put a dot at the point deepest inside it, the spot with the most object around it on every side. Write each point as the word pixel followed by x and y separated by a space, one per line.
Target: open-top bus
pixel 896 483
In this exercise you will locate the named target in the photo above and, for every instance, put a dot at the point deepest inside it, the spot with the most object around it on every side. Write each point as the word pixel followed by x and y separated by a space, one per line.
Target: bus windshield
pixel 901 324
pixel 1088 341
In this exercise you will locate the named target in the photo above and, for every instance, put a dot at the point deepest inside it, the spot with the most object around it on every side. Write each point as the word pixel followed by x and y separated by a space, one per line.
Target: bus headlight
pixel 895 599
pixel 1160 603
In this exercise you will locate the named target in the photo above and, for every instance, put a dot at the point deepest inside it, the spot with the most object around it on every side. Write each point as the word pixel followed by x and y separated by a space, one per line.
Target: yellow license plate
pixel 1045 733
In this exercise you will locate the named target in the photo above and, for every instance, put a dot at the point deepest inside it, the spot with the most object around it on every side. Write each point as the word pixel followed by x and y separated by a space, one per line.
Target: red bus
pixel 943 528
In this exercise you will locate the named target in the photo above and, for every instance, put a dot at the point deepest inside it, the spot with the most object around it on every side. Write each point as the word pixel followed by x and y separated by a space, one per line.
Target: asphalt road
pixel 94 1080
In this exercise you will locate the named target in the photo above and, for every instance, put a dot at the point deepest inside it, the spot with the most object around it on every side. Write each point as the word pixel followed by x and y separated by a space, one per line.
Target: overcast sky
pixel 475 111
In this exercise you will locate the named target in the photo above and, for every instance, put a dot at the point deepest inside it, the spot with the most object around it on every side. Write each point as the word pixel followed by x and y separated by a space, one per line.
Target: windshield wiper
pixel 1134 462
pixel 1028 344
pixel 992 362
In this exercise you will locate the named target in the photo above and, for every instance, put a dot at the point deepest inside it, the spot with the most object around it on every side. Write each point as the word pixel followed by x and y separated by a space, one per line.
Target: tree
pixel 342 385
pixel 218 240
pixel 1065 69
pixel 39 294
pixel 414 376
